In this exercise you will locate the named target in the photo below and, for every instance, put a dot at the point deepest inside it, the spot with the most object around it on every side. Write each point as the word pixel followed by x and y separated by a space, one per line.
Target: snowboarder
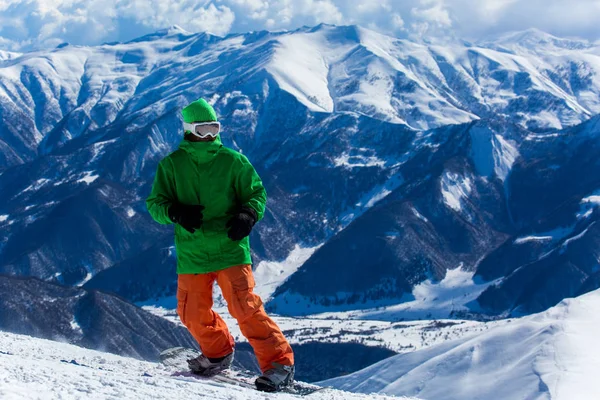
pixel 214 197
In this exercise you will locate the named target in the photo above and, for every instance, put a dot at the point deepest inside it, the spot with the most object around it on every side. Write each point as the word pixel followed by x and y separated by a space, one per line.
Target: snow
pixel 75 326
pixel 554 235
pixel 88 177
pixel 87 278
pixel 588 204
pixel 432 299
pixel 35 368
pixel 592 199
pixel 527 239
pixel 371 198
pixel 455 190
pixel 376 92
pixel 505 154
pixel 586 213
pixel 36 185
pixel 347 161
pixel 381 195
pixel 491 153
pixel 316 66
pixel 551 355
pixel 98 148
pixel 300 67
pixel 419 215
pixel 379 192
pixel 270 274
pixel 414 64
pixel 8 55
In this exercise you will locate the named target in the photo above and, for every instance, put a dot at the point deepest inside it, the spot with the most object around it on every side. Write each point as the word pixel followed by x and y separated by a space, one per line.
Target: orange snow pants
pixel 194 307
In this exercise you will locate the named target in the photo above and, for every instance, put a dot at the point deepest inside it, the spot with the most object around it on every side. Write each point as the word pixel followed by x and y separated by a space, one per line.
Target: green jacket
pixel 220 179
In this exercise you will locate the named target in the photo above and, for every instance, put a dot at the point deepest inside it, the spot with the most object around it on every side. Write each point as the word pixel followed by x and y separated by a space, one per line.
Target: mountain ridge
pixel 99 99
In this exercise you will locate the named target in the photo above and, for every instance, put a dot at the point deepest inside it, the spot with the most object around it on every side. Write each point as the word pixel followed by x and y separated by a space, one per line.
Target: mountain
pixel 148 275
pixel 8 55
pixel 86 318
pixel 476 193
pixel 551 355
pixel 405 151
pixel 35 368
pixel 556 254
pixel 52 97
pixel 535 41
pixel 446 214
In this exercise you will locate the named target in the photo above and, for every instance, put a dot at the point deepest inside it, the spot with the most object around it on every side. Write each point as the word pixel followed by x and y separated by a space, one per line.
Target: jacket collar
pixel 201 151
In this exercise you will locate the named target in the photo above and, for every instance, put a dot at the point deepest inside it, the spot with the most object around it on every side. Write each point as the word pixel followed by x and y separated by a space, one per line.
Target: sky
pixel 34 24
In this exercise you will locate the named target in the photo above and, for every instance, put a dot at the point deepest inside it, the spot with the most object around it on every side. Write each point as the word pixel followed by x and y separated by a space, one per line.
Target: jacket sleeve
pixel 250 189
pixel 163 193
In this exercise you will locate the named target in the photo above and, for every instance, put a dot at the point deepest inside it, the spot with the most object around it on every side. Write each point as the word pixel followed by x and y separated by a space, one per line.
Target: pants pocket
pixel 181 305
pixel 246 302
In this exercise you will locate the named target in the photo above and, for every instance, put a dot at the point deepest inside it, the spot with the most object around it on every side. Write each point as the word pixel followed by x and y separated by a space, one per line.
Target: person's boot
pixel 205 366
pixel 275 379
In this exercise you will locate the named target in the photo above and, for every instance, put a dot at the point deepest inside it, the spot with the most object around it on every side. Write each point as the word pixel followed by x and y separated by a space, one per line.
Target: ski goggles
pixel 203 129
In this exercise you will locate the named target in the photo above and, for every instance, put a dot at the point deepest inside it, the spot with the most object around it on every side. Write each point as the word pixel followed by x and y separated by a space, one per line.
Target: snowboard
pixel 176 358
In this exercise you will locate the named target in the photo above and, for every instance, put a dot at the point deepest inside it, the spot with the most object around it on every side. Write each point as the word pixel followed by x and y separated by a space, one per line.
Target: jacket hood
pixel 199 111
pixel 202 152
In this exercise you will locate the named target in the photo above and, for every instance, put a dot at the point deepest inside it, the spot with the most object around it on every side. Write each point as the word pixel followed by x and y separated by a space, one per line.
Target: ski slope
pixel 550 355
pixel 32 368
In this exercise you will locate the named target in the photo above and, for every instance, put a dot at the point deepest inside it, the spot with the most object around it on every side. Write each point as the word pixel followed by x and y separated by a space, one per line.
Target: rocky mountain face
pixel 540 223
pixel 554 198
pixel 404 160
pixel 86 318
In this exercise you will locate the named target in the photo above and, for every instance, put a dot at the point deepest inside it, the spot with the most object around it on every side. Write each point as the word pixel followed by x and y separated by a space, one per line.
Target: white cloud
pixel 433 12
pixel 397 21
pixel 43 23
pixel 559 17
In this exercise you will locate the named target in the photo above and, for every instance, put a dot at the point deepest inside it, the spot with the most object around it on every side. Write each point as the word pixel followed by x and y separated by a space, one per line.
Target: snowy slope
pixel 34 368
pixel 351 68
pixel 551 355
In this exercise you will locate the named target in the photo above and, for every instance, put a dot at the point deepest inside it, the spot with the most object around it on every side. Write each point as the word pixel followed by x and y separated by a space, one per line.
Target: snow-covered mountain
pixel 36 368
pixel 50 98
pixel 551 355
pixel 529 237
pixel 403 153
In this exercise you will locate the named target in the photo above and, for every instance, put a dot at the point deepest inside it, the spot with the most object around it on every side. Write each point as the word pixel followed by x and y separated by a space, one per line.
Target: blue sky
pixel 27 24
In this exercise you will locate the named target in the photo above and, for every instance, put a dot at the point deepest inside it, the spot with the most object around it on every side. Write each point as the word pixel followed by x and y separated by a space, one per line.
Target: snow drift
pixel 551 355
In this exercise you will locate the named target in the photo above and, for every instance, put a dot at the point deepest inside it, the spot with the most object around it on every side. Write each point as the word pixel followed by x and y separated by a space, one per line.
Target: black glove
pixel 240 225
pixel 188 216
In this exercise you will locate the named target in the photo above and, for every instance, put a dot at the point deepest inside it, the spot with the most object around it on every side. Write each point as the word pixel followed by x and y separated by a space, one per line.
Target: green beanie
pixel 199 111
